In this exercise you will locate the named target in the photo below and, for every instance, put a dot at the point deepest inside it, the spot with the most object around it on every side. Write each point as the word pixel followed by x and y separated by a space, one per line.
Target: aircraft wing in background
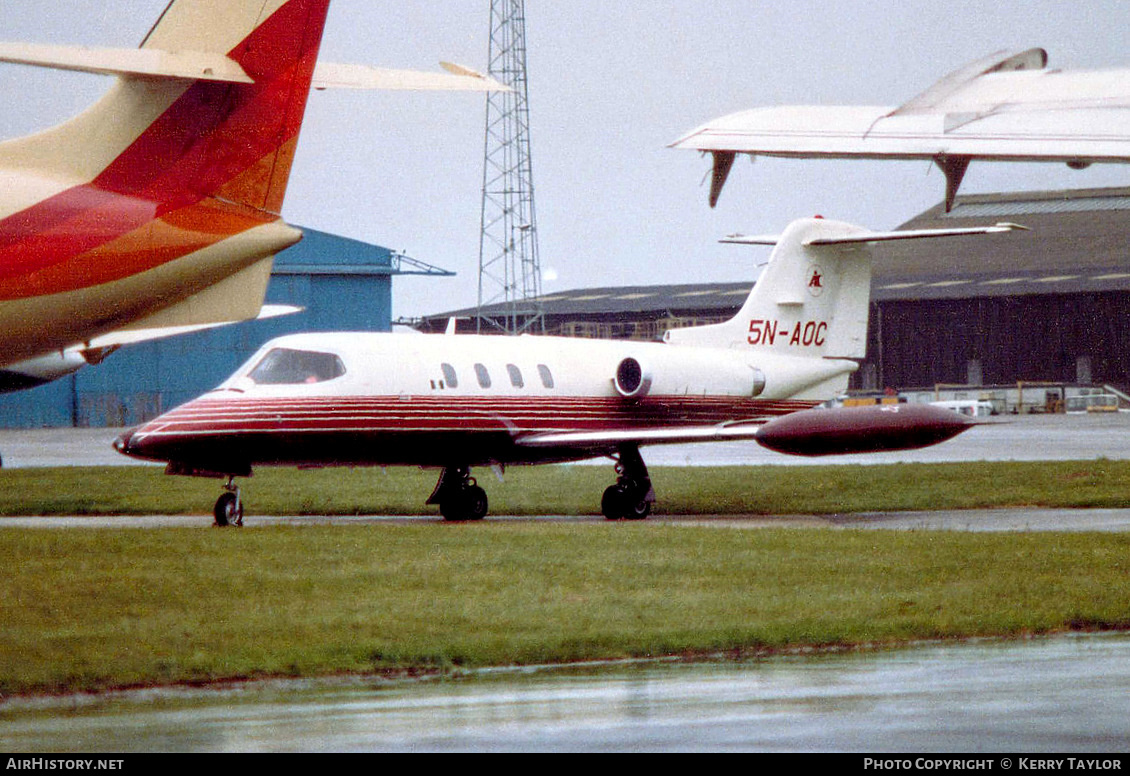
pixel 1005 107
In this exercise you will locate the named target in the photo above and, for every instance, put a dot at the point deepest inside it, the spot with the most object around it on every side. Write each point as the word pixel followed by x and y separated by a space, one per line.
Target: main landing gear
pixel 632 495
pixel 229 506
pixel 460 499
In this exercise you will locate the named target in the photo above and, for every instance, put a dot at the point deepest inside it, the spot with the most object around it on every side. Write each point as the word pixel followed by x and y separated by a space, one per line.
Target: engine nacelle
pixel 633 380
pixel 687 371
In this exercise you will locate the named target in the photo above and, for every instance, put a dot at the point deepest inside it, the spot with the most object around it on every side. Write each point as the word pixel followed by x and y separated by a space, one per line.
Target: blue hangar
pixel 341 284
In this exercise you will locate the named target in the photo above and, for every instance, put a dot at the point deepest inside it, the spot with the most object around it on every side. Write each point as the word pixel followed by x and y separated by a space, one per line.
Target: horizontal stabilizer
pixel 457 79
pixel 150 63
pixel 874 237
pixel 52 366
pixel 211 66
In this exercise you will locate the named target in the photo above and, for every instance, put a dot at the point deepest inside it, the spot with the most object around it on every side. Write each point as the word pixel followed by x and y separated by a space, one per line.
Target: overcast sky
pixel 612 83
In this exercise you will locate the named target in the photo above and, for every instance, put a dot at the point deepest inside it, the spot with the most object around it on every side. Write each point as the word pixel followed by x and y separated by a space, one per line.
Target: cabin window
pixel 483 375
pixel 546 375
pixel 515 376
pixel 284 366
pixel 449 375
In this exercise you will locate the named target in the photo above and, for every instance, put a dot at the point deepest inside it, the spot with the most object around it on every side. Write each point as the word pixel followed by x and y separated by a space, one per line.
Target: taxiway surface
pixel 1011 519
pixel 1019 438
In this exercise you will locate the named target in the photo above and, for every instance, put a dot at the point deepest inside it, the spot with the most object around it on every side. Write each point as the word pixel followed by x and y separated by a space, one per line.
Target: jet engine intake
pixel 632 380
pixel 685 372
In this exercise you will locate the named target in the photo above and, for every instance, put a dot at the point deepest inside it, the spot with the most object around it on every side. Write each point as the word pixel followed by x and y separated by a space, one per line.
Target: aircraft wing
pixel 1098 134
pixel 812 432
pixel 675 435
pixel 1005 107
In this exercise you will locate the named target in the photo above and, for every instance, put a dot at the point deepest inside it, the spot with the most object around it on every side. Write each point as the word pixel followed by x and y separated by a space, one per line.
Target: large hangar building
pixel 1049 307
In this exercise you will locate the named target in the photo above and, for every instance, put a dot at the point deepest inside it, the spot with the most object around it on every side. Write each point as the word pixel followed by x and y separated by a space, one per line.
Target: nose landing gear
pixel 229 506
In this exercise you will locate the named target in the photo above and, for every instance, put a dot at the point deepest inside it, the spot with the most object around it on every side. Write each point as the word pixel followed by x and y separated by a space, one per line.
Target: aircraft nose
pixel 122 443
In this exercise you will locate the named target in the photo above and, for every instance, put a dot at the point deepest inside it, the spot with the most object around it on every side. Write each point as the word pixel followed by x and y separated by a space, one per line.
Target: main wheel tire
pixel 637 509
pixel 228 510
pixel 476 501
pixel 612 503
pixel 622 503
pixel 468 504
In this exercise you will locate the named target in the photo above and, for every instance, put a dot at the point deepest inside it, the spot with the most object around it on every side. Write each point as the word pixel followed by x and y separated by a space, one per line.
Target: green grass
pixel 91 609
pixel 573 490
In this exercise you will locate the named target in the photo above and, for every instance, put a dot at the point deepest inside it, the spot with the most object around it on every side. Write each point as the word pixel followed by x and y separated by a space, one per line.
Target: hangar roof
pixel 1079 241
pixel 706 298
pixel 322 253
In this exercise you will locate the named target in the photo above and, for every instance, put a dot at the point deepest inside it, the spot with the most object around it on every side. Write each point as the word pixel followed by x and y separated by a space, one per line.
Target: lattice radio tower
pixel 509 269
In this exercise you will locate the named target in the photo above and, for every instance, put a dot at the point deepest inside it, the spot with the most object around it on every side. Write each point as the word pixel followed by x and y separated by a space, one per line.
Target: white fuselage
pixel 363 398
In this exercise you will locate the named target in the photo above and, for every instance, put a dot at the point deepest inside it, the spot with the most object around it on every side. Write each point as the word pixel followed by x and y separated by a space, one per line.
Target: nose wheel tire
pixel 228 510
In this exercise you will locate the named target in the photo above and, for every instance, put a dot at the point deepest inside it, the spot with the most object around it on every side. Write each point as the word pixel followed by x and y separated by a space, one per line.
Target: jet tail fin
pixel 811 300
pixel 814 296
pixel 164 135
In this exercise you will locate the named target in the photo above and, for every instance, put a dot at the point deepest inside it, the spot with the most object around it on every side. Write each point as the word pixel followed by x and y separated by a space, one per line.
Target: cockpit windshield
pixel 284 366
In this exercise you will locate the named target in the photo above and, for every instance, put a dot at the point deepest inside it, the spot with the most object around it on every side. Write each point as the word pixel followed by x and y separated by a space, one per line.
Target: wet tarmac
pixel 1067 694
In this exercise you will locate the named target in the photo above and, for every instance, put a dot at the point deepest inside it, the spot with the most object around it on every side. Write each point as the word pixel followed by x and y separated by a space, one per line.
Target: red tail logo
pixel 816 281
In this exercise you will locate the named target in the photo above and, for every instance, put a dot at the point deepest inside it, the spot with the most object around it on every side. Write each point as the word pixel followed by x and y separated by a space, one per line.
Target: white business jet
pixel 457 401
